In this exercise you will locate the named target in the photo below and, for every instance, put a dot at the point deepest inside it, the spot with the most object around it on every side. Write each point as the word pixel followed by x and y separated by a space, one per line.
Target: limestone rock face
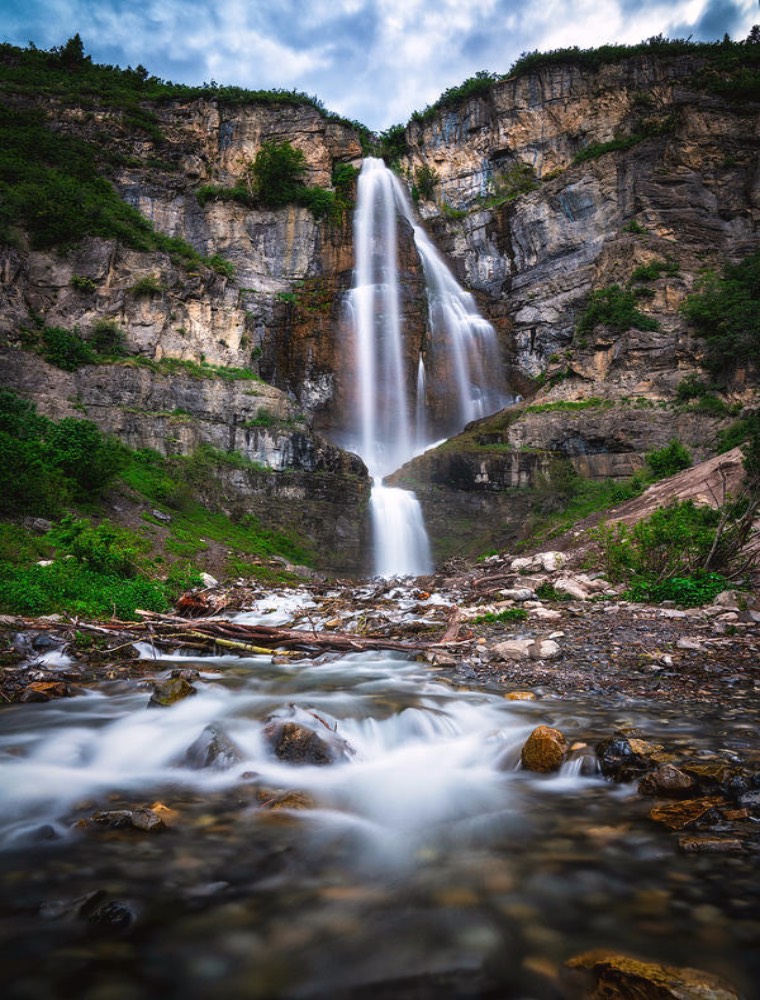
pixel 536 257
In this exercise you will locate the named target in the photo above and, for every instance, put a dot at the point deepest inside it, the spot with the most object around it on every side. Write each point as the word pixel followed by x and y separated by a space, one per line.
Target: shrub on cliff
pixel 277 173
pixel 725 314
pixel 615 308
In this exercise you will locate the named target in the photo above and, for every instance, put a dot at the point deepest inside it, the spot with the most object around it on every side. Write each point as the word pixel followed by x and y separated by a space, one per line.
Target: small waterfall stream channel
pixel 346 825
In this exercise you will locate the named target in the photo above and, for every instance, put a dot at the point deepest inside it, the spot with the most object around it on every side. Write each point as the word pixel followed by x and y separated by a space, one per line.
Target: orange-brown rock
pixel 605 975
pixel 679 815
pixel 544 750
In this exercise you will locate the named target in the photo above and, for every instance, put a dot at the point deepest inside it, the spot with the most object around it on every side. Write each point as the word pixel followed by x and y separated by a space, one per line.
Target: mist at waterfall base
pixel 455 372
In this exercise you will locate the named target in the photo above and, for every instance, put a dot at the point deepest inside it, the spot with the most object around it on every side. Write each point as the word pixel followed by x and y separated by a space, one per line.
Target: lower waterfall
pixel 404 397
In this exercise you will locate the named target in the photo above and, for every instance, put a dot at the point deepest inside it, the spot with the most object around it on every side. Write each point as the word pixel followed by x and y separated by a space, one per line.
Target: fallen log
pixel 266 638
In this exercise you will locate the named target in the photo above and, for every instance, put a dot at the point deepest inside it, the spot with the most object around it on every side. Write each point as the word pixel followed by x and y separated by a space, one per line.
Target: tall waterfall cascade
pixel 405 397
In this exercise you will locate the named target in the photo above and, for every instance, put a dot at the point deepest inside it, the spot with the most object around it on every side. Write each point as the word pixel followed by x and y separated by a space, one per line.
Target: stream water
pixel 424 851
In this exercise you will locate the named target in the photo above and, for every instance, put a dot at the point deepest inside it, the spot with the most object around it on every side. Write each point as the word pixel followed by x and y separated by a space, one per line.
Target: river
pixel 422 862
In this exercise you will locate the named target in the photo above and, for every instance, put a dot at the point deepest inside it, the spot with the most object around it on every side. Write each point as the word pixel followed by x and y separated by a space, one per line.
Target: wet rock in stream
pixel 213 749
pixel 169 692
pixel 296 744
pixel 603 975
pixel 544 750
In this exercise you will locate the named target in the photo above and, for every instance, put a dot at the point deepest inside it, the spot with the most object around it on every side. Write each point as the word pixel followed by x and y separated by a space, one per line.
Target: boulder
pixel 512 649
pixel 622 759
pixel 518 594
pixel 544 649
pixel 679 815
pixel 213 749
pixel 571 587
pixel 544 750
pixel 297 744
pixel 599 974
pixel 667 780
pixel 551 561
pixel 170 691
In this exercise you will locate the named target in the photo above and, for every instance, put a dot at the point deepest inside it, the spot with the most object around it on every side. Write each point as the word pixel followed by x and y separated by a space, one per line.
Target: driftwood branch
pixel 264 638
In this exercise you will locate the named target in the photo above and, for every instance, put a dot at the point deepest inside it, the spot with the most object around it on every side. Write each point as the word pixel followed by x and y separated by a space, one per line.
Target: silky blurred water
pixel 425 848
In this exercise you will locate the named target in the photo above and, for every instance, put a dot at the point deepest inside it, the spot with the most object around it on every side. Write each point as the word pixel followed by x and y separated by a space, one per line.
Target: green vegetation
pixel 393 145
pixel 68 73
pixel 275 179
pixel 507 615
pixel 670 555
pixel 667 461
pixel 642 130
pixel 725 314
pixel 614 308
pixel 82 284
pixel 654 269
pixel 425 181
pixel 520 178
pixel 634 227
pixel 100 568
pixel 46 466
pixel 473 86
pixel 738 433
pixel 195 369
pixel 147 286
pixel 51 188
pixel 570 405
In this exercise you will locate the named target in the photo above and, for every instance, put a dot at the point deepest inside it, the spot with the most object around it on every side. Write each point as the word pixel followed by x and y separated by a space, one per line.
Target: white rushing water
pixel 406 397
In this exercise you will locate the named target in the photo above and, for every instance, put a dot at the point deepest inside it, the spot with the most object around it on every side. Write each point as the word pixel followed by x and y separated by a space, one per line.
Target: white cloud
pixel 374 60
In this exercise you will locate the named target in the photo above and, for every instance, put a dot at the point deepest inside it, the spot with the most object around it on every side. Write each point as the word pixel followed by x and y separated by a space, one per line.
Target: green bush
pixel 108 340
pixel 104 548
pixel 82 284
pixel 425 181
pixel 84 455
pixel 675 541
pixel 615 308
pixel 507 615
pixel 667 461
pixel 691 387
pixel 689 592
pixel 44 466
pixel 147 286
pixel 654 269
pixel 725 314
pixel 70 587
pixel 277 173
pixel 65 349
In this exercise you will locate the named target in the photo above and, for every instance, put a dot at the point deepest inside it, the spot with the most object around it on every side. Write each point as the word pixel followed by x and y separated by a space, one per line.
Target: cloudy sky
pixel 372 60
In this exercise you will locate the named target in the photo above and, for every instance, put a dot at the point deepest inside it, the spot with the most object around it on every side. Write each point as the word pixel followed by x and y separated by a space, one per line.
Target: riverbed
pixel 418 860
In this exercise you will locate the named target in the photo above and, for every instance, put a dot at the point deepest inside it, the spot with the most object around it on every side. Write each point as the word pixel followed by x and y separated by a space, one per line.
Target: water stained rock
pixel 599 975
pixel 168 692
pixel 213 749
pixel 297 744
pixel 544 750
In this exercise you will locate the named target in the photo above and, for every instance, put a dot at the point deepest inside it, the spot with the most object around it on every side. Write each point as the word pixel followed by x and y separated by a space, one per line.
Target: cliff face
pixel 557 184
pixel 165 310
pixel 688 184
pixel 548 186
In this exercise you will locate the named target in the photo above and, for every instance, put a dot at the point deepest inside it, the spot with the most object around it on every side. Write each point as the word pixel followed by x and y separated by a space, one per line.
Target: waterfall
pixel 403 397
